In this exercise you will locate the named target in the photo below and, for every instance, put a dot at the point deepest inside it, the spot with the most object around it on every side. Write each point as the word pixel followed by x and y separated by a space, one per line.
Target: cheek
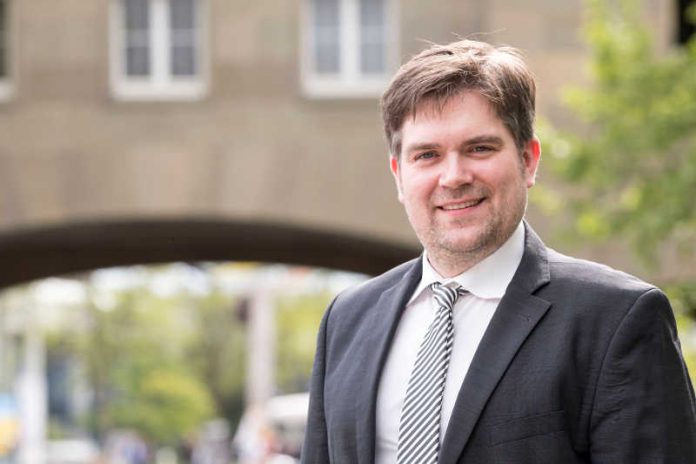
pixel 509 181
pixel 416 191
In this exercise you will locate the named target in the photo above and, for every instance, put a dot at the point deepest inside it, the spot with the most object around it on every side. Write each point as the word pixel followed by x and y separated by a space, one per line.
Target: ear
pixel 395 169
pixel 531 155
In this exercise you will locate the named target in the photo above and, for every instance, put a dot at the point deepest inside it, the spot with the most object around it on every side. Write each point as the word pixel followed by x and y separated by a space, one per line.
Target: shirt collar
pixel 487 279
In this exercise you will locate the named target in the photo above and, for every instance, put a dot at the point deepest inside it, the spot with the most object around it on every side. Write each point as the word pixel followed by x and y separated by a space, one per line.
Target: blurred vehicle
pixel 72 451
pixel 272 432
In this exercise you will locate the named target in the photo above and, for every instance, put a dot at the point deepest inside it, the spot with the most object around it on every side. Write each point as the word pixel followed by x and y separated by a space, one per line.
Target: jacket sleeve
pixel 644 409
pixel 315 449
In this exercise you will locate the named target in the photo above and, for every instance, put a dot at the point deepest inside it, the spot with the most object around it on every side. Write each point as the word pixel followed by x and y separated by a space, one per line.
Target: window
pixel 686 27
pixel 349 47
pixel 5 63
pixel 157 49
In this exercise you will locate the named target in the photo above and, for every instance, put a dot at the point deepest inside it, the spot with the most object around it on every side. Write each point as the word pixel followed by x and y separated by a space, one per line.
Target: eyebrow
pixel 421 146
pixel 493 139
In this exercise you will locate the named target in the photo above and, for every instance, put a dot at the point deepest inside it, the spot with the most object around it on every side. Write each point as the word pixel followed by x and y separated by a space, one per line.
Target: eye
pixel 426 155
pixel 482 148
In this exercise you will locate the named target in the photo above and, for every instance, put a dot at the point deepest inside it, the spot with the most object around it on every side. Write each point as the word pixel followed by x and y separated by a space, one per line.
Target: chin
pixel 470 243
pixel 459 246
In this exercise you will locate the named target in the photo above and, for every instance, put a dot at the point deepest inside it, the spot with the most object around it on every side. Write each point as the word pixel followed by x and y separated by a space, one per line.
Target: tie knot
pixel 446 296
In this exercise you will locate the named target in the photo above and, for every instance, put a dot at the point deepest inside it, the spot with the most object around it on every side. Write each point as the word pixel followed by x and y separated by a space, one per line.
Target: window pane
pixel 3 39
pixel 182 14
pixel 137 37
pixel 182 23
pixel 137 61
pixel 137 14
pixel 372 37
pixel 183 61
pixel 326 36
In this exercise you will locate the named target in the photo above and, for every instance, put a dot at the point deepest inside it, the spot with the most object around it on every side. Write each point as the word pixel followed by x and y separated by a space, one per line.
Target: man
pixel 490 348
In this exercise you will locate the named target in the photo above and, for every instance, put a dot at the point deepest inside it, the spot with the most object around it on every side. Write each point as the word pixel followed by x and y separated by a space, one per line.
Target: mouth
pixel 461 205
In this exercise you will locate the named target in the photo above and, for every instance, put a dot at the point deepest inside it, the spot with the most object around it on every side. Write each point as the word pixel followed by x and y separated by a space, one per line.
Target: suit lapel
pixel 516 316
pixel 380 330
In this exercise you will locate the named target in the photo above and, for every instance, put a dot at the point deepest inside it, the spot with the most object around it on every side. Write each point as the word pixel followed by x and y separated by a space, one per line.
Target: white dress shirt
pixel 486 283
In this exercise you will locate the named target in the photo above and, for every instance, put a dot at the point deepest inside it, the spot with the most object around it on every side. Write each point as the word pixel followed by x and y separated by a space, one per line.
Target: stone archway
pixel 29 254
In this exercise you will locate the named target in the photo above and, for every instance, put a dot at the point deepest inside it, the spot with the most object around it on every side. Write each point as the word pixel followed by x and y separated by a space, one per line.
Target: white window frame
pixel 7 83
pixel 349 82
pixel 159 84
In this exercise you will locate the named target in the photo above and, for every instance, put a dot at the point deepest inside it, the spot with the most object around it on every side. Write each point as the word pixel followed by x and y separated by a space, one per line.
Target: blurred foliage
pixel 634 169
pixel 297 323
pixel 163 405
pixel 138 361
pixel 683 299
pixel 162 363
pixel 218 351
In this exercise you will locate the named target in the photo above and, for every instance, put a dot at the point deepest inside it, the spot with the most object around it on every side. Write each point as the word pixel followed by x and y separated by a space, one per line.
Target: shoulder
pixel 352 305
pixel 548 271
pixel 584 273
pixel 607 307
pixel 376 286
pixel 587 284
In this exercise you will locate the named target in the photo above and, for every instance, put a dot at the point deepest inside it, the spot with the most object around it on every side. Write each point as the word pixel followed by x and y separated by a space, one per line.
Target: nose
pixel 455 171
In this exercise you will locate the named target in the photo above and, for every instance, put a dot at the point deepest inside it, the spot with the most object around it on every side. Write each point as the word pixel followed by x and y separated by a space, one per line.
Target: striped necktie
pixel 419 427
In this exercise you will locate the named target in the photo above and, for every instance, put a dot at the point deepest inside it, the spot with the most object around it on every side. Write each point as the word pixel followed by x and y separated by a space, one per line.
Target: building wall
pixel 254 148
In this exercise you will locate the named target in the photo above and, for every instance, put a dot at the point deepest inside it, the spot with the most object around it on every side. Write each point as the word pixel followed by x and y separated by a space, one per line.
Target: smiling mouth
pixel 462 205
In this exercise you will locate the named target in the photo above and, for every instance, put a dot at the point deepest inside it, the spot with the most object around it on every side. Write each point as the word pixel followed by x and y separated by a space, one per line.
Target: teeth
pixel 461 205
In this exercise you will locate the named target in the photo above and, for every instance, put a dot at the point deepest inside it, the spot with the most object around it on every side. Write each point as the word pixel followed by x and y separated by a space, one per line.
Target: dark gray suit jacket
pixel 580 364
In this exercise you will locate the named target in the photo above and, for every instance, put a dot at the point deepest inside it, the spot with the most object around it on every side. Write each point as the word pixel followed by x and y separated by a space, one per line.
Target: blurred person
pixel 490 347
pixel 185 447
pixel 126 447
pixel 213 444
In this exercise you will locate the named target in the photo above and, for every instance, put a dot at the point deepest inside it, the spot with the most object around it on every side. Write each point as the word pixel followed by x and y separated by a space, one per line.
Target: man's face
pixel 462 180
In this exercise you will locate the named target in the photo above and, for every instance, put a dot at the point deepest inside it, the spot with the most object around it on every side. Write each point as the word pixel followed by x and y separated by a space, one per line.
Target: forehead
pixel 467 114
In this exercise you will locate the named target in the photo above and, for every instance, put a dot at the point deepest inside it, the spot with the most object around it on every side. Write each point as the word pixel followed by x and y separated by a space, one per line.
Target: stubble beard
pixel 456 254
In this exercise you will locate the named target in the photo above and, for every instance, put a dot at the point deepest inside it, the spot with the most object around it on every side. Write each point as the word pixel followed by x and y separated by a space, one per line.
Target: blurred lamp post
pixel 261 345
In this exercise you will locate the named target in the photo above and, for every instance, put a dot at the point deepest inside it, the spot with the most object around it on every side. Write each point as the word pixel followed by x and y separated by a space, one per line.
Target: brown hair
pixel 440 72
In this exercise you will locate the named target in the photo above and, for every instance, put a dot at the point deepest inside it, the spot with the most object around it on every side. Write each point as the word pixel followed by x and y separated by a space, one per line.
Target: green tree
pixel 297 322
pixel 635 165
pixel 137 358
pixel 163 405
pixel 218 352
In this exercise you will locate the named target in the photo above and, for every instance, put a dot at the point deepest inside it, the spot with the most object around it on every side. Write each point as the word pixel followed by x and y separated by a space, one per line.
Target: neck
pixel 450 261
pixel 449 264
